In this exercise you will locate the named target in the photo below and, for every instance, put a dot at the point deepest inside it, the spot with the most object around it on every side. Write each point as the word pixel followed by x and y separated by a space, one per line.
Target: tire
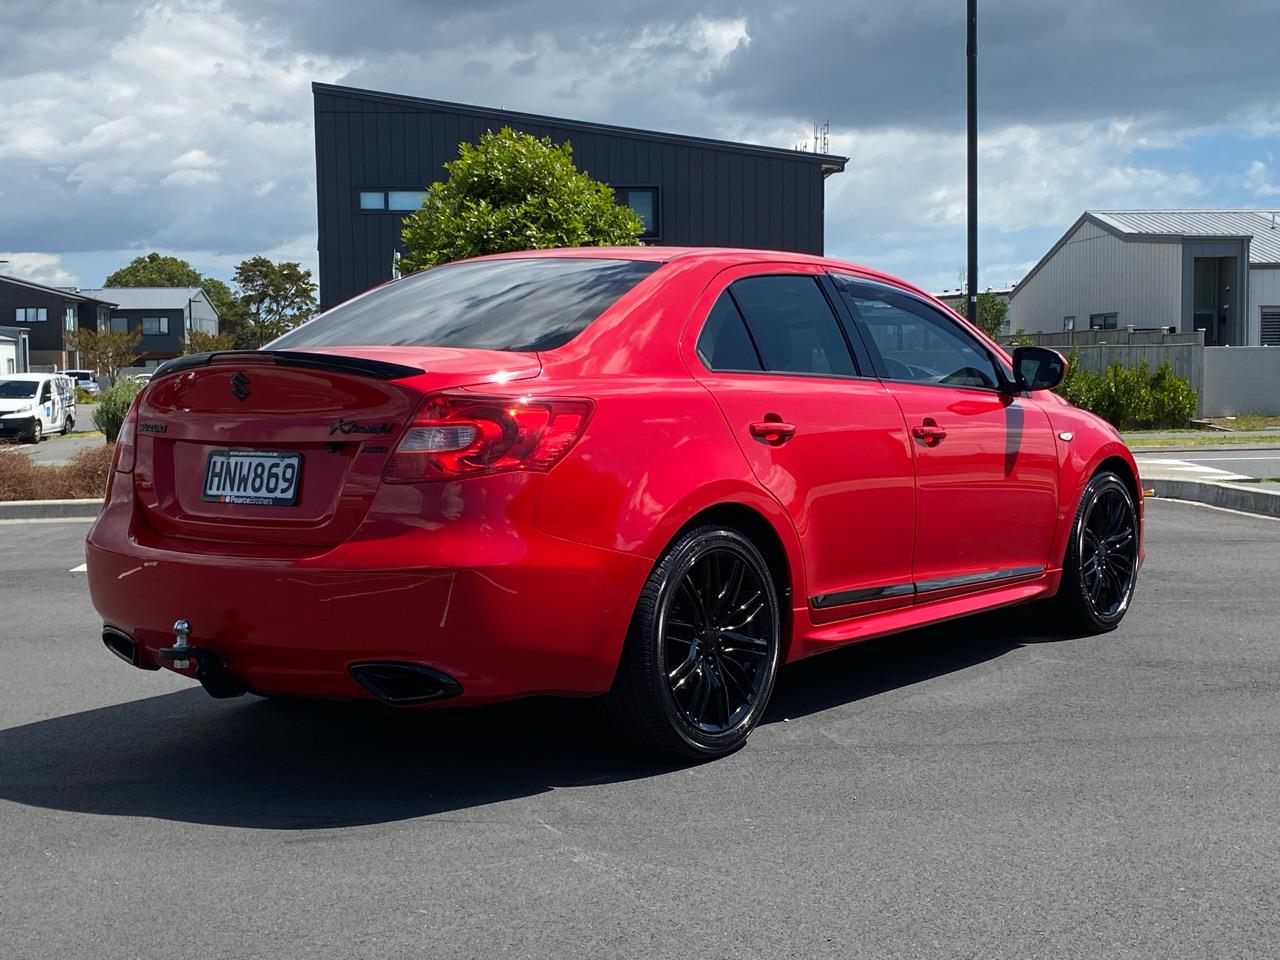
pixel 1100 570
pixel 67 424
pixel 708 614
pixel 37 432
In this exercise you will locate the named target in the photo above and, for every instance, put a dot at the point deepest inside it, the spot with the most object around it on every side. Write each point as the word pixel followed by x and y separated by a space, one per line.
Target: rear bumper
pixel 540 615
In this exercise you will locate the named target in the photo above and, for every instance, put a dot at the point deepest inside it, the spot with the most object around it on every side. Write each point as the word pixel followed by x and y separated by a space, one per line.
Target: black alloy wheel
pixel 1100 572
pixel 704 647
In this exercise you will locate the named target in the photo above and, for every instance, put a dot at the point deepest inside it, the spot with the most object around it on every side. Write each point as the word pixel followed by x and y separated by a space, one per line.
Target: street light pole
pixel 971 52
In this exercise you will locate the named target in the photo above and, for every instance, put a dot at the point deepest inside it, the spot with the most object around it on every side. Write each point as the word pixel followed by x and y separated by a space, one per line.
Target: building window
pixel 373 200
pixel 644 201
pixel 119 324
pixel 1068 324
pixel 31 315
pixel 1270 327
pixel 155 326
pixel 1103 321
pixel 404 199
pixel 70 319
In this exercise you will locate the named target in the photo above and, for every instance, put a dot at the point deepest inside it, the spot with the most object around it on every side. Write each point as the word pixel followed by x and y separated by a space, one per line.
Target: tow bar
pixel 213 675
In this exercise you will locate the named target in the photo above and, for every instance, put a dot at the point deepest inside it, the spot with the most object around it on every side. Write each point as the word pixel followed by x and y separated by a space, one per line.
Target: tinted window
pixel 493 305
pixel 792 325
pixel 724 343
pixel 17 389
pixel 917 343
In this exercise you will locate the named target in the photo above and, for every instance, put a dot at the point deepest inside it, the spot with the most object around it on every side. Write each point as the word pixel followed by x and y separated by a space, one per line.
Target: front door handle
pixel 772 432
pixel 929 433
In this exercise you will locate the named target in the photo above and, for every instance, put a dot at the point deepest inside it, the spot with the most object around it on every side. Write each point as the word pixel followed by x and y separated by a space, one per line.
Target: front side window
pixel 525 304
pixel 155 326
pixel 917 344
pixel 792 325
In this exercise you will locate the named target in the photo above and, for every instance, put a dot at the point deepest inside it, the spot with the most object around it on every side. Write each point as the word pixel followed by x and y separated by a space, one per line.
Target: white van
pixel 34 405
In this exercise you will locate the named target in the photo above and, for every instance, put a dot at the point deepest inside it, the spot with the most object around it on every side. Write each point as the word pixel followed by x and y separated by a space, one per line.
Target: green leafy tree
pixel 512 191
pixel 200 342
pixel 105 350
pixel 220 295
pixel 274 297
pixel 155 270
pixel 991 313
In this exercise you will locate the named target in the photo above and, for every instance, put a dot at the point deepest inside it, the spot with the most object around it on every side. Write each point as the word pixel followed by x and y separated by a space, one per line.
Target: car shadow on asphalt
pixel 298 765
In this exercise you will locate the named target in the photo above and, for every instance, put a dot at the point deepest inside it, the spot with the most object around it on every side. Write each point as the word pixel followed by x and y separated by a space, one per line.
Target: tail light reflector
pixel 459 435
pixel 126 440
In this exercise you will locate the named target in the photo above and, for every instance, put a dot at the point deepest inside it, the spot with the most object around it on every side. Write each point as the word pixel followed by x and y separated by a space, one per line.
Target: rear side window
pixel 792 325
pixel 526 305
pixel 724 343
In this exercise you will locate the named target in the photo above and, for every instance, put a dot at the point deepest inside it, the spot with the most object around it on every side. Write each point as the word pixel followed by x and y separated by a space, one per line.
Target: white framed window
pixel 69 319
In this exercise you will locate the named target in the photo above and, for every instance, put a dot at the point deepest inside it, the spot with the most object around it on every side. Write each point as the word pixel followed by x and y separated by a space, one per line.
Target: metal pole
pixel 971 51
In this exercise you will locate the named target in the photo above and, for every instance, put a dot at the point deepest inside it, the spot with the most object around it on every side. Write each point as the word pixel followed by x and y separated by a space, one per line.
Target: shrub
pixel 84 396
pixel 84 477
pixel 1131 397
pixel 113 406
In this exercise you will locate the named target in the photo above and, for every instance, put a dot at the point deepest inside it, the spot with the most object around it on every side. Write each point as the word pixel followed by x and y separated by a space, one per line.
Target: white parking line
pixel 12 520
pixel 83 568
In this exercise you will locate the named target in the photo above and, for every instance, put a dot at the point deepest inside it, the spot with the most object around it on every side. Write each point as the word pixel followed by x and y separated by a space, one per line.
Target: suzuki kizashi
pixel 647 473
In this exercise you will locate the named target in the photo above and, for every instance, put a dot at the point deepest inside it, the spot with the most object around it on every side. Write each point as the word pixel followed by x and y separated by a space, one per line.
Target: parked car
pixel 86 380
pixel 34 405
pixel 650 473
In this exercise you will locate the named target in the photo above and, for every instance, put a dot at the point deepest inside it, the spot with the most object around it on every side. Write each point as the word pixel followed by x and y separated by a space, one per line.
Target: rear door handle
pixel 773 432
pixel 930 433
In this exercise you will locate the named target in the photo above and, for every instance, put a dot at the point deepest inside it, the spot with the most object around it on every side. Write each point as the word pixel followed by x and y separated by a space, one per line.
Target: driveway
pixel 981 789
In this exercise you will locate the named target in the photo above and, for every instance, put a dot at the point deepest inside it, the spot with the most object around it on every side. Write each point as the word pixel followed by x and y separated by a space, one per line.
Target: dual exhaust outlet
pixel 391 681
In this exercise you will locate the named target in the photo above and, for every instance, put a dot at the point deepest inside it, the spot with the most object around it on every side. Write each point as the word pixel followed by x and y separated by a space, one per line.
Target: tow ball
pixel 213 675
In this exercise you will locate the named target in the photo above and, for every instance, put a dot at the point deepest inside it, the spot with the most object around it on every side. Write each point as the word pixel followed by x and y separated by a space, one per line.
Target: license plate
pixel 265 478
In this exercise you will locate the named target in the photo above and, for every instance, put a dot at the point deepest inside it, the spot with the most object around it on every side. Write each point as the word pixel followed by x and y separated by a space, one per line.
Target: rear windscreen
pixel 528 305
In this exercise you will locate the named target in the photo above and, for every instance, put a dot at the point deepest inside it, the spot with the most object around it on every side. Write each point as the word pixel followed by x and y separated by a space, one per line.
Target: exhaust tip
pixel 121 644
pixel 403 684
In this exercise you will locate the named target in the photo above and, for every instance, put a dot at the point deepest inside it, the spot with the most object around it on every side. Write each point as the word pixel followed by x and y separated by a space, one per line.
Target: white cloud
pixel 43 268
pixel 1257 180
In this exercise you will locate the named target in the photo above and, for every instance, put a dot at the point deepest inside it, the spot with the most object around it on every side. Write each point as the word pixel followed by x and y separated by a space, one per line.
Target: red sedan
pixel 654 474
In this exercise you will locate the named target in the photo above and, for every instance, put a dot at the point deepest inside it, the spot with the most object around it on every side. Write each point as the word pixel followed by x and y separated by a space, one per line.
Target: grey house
pixel 164 315
pixel 377 152
pixel 1211 270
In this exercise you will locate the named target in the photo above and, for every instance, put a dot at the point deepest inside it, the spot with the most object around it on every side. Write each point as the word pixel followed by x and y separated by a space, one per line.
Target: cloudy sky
pixel 187 126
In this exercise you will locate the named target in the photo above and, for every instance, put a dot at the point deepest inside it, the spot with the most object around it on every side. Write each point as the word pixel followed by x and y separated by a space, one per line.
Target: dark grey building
pixel 40 319
pixel 377 152
pixel 163 315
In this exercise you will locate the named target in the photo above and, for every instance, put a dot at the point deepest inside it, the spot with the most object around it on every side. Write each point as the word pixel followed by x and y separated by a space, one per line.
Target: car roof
pixel 27 376
pixel 724 256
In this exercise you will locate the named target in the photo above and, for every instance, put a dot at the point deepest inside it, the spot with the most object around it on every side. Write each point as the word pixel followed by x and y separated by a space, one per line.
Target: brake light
pixel 458 435
pixel 125 440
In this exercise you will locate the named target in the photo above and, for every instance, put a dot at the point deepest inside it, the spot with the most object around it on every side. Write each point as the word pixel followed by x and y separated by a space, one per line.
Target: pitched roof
pixel 149 298
pixel 1261 226
pixel 831 163
pixel 67 293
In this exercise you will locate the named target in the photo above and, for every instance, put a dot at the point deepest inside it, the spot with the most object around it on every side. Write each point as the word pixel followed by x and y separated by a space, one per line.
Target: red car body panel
pixel 525 582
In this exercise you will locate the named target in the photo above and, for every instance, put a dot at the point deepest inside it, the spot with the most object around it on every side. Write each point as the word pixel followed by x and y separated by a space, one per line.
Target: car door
pixel 819 432
pixel 46 409
pixel 986 462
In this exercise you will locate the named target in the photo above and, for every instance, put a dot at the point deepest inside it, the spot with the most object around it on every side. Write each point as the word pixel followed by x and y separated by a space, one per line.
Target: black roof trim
pixel 826 160
pixel 56 291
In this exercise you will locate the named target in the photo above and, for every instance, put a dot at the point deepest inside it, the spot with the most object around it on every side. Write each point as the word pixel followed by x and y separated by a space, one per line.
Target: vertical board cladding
pixel 710 193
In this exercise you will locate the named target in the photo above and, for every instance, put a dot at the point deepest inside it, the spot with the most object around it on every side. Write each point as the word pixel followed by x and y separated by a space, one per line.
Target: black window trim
pixel 855 356
pixel 882 372
pixel 656 190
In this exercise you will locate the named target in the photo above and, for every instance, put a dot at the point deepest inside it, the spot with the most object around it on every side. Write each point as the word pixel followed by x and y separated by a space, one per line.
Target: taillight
pixel 125 440
pixel 458 435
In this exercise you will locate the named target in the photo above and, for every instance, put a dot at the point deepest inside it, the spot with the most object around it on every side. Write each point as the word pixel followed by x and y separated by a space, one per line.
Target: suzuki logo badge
pixel 240 387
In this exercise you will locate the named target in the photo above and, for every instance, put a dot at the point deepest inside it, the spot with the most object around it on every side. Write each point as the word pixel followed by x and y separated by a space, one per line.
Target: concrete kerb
pixel 50 509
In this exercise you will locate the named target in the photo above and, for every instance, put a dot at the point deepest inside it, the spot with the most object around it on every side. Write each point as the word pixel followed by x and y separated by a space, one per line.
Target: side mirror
pixel 1038 368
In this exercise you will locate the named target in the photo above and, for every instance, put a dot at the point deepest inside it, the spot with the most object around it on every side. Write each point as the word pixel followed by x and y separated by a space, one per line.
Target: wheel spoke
pixel 683 671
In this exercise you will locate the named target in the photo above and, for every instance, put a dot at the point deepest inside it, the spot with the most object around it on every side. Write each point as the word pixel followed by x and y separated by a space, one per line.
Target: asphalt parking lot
pixel 983 789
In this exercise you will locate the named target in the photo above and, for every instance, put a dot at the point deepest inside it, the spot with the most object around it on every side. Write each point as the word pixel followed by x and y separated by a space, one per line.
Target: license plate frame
pixel 221 492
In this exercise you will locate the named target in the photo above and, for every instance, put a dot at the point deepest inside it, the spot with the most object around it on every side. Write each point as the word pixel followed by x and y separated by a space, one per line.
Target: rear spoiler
pixel 332 362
